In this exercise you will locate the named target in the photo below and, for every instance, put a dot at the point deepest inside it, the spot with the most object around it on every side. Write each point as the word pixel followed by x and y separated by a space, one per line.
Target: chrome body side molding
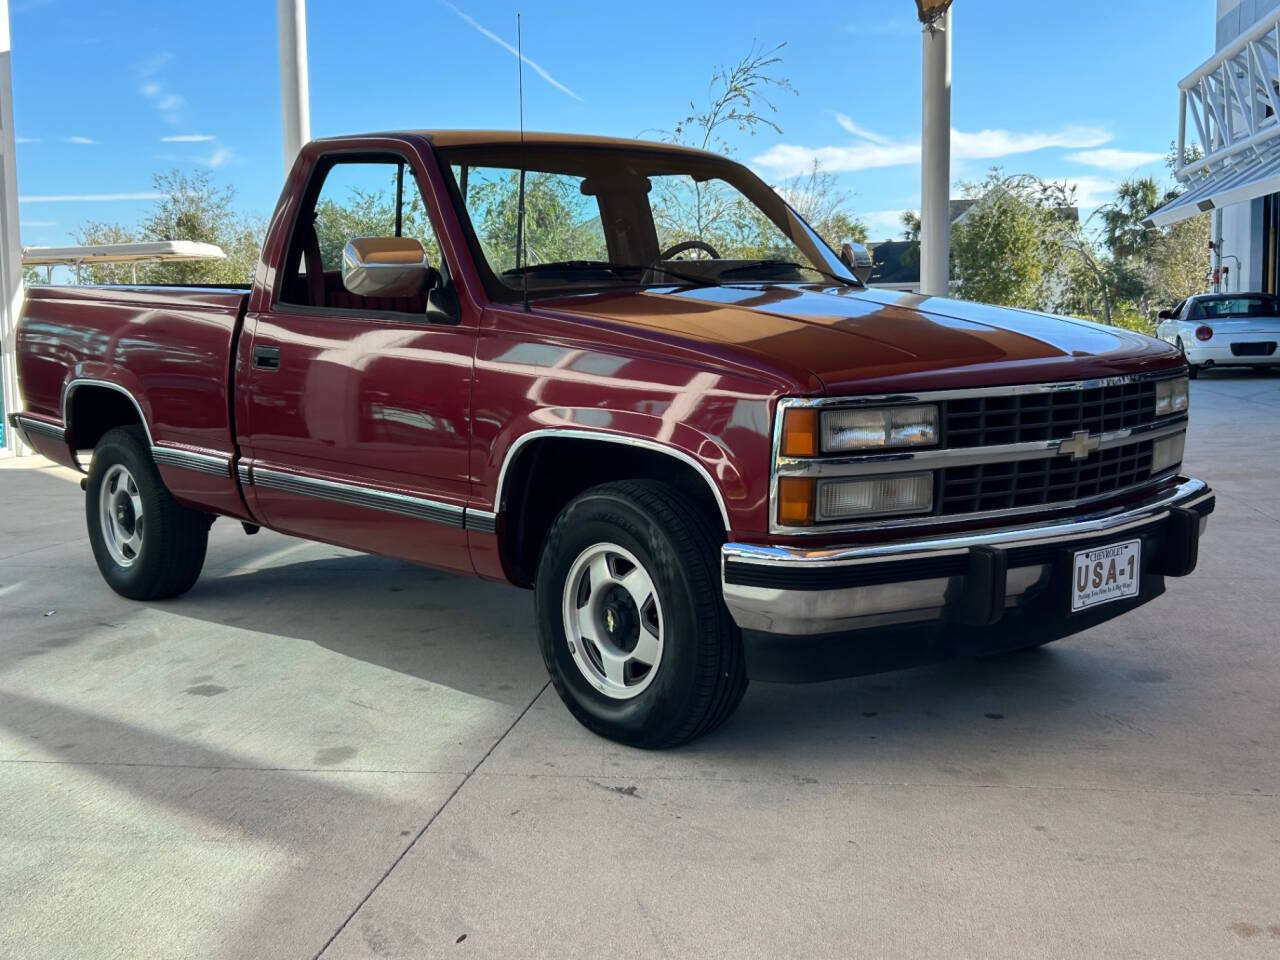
pixel 30 425
pixel 481 521
pixel 213 464
pixel 354 495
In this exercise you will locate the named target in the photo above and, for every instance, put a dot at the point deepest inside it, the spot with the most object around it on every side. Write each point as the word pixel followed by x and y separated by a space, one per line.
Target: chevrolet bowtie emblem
pixel 1080 445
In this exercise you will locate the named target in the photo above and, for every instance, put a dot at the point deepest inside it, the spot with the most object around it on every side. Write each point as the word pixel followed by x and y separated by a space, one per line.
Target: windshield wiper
pixel 691 278
pixel 761 264
pixel 568 266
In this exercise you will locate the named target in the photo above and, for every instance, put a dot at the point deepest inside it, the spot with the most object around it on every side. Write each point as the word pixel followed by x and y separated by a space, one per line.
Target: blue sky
pixel 106 95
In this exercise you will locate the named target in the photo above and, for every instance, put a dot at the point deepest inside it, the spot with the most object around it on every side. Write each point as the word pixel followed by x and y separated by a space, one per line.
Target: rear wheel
pixel 147 545
pixel 631 620
pixel 1192 370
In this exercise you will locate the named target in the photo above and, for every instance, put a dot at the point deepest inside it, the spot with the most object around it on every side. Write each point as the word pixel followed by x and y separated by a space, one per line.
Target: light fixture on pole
pixel 935 181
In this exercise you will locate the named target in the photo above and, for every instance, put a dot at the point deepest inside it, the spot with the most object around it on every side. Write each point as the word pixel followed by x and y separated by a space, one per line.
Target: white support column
pixel 935 184
pixel 10 249
pixel 295 105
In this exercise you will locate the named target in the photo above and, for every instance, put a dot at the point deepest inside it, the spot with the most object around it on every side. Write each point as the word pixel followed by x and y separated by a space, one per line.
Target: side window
pixel 357 198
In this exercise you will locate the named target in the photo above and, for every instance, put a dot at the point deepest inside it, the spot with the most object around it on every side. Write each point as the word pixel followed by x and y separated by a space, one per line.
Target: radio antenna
pixel 520 251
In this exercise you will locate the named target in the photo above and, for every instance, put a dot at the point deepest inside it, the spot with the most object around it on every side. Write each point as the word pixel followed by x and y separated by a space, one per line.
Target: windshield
pixel 603 218
pixel 1225 308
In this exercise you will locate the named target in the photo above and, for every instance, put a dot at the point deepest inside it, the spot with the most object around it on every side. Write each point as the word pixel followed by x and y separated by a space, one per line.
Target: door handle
pixel 266 358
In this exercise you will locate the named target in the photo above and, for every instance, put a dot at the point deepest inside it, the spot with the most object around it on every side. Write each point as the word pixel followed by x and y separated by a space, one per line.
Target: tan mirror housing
pixel 384 267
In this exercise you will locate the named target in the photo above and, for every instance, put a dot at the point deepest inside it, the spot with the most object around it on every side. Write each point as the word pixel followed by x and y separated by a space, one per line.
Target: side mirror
pixel 384 267
pixel 1166 315
pixel 857 258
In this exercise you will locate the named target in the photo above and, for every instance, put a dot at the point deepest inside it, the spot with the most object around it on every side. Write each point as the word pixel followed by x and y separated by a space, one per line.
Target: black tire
pixel 1192 370
pixel 174 539
pixel 701 676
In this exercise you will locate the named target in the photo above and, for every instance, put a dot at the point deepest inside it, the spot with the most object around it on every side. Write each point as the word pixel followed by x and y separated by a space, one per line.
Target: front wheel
pixel 147 545
pixel 631 620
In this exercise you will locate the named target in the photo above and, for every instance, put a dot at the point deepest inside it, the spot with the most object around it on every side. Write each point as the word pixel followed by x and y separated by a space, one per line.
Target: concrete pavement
pixel 320 753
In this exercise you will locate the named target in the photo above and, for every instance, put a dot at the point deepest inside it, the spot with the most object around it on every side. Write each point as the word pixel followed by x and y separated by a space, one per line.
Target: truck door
pixel 355 410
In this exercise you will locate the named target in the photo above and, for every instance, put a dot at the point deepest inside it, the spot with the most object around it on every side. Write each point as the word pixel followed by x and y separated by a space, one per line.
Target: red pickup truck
pixel 628 376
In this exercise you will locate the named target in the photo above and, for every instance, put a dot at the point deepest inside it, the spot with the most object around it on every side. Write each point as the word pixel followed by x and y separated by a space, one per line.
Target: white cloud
pixel 154 64
pixel 883 224
pixel 189 138
pixel 219 158
pixel 26 139
pixel 790 160
pixel 83 141
pixel 1119 160
pixel 987 144
pixel 860 131
pixel 169 104
pixel 871 150
pixel 39 223
pixel 512 50
pixel 87 197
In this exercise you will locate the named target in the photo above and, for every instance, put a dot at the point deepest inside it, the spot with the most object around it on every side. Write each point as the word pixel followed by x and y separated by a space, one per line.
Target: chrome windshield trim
pixel 1188 493
pixel 905 460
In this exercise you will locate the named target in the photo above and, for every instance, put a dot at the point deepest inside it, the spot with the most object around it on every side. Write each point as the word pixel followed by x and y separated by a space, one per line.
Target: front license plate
pixel 1105 574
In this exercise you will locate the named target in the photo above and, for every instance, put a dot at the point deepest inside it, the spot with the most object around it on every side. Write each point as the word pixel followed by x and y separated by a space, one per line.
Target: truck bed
pixel 129 337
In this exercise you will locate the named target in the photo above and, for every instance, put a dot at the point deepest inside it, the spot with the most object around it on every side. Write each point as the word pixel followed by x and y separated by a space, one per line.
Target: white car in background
pixel 1224 330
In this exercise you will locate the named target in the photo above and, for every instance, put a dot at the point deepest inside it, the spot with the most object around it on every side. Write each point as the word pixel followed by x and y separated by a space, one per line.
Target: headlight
pixel 879 428
pixel 874 496
pixel 1167 453
pixel 1171 396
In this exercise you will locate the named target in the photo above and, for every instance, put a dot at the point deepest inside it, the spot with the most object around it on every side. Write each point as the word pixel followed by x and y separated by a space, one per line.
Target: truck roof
pixel 489 138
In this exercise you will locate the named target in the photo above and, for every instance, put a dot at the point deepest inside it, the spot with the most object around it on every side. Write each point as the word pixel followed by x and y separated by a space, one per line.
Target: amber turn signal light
pixel 795 501
pixel 800 432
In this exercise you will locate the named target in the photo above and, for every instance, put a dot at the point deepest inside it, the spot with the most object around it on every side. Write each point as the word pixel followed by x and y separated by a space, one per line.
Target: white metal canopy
pixel 1245 177
pixel 167 250
pixel 1232 103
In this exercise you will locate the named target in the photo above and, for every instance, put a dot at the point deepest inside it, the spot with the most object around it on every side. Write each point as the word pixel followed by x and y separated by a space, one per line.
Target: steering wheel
pixel 687 245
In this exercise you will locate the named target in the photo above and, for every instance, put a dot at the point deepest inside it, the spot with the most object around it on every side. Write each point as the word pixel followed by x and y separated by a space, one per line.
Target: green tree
pixel 818 199
pixel 372 213
pixel 1124 234
pixel 560 223
pixel 1006 247
pixel 190 207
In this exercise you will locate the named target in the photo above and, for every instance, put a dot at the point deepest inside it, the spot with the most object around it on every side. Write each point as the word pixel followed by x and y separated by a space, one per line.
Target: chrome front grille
pixel 1034 483
pixel 1003 452
pixel 985 420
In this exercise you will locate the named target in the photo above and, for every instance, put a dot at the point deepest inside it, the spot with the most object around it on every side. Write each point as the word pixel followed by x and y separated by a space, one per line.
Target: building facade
pixel 1229 110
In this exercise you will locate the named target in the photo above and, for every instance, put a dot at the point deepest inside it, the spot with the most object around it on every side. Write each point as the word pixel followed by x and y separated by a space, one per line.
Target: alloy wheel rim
pixel 120 515
pixel 613 621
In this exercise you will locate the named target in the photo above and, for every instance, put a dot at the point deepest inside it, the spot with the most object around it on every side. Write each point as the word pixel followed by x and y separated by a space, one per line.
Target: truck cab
pixel 629 377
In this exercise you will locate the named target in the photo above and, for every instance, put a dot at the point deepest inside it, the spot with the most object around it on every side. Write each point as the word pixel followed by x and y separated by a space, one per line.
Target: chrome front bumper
pixel 971 578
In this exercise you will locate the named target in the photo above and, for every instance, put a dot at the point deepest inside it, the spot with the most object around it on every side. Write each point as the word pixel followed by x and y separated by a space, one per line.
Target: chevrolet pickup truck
pixel 630 377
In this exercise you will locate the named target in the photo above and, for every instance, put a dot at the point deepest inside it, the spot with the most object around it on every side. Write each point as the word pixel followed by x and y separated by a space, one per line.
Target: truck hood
pixel 868 340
